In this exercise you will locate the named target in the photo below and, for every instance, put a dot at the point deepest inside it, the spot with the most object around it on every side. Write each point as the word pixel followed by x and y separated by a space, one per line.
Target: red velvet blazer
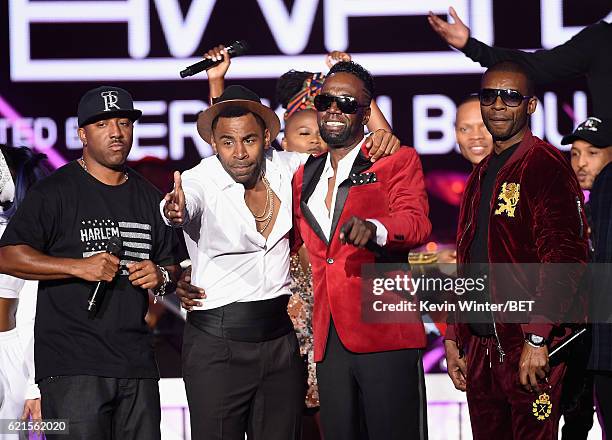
pixel 547 225
pixel 398 200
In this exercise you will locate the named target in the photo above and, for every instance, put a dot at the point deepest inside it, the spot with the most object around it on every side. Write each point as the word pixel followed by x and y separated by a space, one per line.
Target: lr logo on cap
pixel 110 100
pixel 591 124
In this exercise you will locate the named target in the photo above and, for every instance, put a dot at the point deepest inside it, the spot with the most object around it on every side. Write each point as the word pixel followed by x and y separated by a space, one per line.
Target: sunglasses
pixel 512 98
pixel 346 104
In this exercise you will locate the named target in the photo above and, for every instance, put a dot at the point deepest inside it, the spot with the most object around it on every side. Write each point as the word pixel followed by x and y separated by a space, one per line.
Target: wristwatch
pixel 161 290
pixel 534 340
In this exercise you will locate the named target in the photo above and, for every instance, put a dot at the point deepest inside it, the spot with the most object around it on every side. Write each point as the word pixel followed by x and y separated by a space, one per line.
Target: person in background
pixel 475 143
pixel 591 150
pixel 586 54
pixel 591 158
pixel 20 168
pixel 474 140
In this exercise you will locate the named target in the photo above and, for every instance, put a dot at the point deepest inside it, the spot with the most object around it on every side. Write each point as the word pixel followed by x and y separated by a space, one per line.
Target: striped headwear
pixel 304 99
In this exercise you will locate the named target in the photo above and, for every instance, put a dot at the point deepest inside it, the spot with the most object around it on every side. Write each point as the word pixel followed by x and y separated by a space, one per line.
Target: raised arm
pixel 570 59
pixel 216 74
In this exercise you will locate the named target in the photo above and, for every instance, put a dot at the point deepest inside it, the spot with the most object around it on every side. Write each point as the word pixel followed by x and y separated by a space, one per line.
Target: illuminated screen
pixel 53 51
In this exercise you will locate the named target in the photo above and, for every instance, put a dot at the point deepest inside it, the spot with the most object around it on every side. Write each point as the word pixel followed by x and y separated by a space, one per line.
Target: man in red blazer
pixel 350 212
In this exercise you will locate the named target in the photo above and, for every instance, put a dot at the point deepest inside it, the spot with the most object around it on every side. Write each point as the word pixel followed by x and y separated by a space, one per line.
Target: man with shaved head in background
pixel 592 161
pixel 474 140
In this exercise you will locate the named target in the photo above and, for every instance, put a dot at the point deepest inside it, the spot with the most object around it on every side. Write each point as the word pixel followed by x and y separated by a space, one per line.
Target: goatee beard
pixel 333 140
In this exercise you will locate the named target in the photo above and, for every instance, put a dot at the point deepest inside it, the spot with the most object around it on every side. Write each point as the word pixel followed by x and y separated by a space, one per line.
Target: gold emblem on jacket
pixel 509 196
pixel 542 407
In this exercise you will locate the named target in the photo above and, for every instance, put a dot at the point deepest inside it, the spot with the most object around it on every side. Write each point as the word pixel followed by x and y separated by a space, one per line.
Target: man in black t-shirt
pixel 95 368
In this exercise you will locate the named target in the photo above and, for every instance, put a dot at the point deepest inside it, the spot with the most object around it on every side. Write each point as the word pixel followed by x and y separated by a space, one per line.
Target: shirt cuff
pixel 541 329
pixel 32 392
pixel 161 212
pixel 471 48
pixel 381 232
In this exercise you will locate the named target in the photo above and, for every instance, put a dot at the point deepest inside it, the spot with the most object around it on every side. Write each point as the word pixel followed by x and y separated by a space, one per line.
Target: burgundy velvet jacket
pixel 548 225
pixel 397 199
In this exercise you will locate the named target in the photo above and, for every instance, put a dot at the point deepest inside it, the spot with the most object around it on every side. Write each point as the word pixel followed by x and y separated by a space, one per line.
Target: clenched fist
pixel 145 274
pixel 98 267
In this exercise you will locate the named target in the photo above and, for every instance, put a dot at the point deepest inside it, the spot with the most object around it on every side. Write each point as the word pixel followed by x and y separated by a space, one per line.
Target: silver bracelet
pixel 161 290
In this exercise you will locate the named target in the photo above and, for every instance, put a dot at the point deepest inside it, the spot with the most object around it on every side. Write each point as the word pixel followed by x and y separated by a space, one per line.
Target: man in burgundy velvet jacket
pixel 522 204
pixel 348 210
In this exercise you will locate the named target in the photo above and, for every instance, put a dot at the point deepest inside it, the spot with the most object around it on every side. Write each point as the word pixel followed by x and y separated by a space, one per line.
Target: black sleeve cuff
pixel 471 48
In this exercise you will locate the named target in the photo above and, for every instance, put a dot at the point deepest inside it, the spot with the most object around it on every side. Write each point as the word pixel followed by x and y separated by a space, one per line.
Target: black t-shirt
pixel 479 249
pixel 71 214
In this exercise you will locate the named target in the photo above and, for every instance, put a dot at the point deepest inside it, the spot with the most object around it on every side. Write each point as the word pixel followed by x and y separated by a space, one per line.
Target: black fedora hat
pixel 237 96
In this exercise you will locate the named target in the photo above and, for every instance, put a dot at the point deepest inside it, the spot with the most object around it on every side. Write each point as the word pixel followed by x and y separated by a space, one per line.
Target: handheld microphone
pixel 113 247
pixel 235 49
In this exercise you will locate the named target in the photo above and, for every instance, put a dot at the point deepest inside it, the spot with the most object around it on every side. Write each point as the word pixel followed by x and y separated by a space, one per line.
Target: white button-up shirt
pixel 316 202
pixel 230 259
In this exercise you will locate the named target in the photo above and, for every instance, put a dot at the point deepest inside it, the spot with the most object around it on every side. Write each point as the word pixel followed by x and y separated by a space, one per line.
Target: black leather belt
pixel 254 321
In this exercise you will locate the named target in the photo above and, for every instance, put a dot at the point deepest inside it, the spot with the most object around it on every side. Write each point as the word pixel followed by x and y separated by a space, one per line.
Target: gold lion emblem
pixel 509 196
pixel 542 407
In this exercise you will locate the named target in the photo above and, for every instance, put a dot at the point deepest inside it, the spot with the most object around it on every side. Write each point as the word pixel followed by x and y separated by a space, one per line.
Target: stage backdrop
pixel 53 51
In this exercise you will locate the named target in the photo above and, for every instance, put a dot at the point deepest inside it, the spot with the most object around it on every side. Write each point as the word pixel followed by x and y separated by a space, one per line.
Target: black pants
pixel 603 393
pixel 577 403
pixel 374 396
pixel 235 387
pixel 578 420
pixel 102 408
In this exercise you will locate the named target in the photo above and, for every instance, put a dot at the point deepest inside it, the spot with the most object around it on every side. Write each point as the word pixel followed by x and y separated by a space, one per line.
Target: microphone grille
pixel 237 48
pixel 114 245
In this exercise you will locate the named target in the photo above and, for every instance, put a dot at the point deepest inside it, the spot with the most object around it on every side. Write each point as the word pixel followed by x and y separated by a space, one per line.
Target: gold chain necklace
pixel 84 165
pixel 268 212
pixel 268 218
pixel 264 214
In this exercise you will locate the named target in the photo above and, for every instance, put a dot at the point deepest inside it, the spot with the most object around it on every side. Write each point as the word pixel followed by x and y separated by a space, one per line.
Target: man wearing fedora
pixel 96 368
pixel 241 362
